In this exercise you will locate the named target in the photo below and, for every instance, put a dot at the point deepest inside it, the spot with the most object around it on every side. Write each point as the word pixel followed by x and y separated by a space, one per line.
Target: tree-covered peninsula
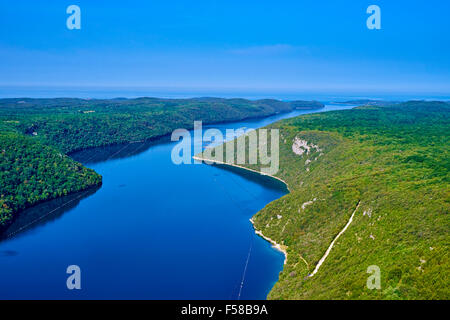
pixel 74 124
pixel 376 179
pixel 36 135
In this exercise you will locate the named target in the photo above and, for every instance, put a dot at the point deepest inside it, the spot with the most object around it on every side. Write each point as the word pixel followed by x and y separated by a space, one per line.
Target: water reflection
pixel 44 213
pixel 117 151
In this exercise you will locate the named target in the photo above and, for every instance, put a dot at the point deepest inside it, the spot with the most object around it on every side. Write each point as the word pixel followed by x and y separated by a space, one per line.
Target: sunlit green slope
pixel 393 161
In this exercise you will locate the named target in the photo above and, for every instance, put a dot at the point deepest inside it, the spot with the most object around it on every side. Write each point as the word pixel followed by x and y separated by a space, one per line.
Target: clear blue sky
pixel 277 45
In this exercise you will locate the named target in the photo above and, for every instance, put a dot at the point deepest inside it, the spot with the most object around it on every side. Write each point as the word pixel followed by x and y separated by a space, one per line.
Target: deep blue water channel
pixel 154 230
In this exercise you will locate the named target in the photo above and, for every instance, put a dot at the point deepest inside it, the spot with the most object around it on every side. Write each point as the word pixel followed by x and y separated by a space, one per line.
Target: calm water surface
pixel 154 230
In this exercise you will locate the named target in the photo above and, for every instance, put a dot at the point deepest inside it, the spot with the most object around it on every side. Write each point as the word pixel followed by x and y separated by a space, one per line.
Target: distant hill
pixel 70 124
pixel 302 104
pixel 368 102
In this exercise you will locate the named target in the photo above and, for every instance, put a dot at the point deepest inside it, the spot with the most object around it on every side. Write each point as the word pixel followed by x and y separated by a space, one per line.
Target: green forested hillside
pixel 35 135
pixel 394 161
pixel 31 172
pixel 74 124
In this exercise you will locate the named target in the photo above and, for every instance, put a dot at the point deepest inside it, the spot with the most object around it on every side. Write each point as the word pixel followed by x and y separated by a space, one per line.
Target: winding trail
pixel 321 261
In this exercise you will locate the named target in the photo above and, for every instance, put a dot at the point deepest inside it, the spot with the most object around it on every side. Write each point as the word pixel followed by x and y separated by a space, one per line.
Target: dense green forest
pixel 36 135
pixel 391 160
pixel 74 124
pixel 31 172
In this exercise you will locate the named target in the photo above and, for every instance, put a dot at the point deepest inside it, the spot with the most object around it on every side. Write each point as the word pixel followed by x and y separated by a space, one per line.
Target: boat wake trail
pixel 245 269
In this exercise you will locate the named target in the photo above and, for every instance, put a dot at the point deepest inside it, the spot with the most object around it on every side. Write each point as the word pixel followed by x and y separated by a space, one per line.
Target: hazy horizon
pixel 229 46
pixel 96 92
